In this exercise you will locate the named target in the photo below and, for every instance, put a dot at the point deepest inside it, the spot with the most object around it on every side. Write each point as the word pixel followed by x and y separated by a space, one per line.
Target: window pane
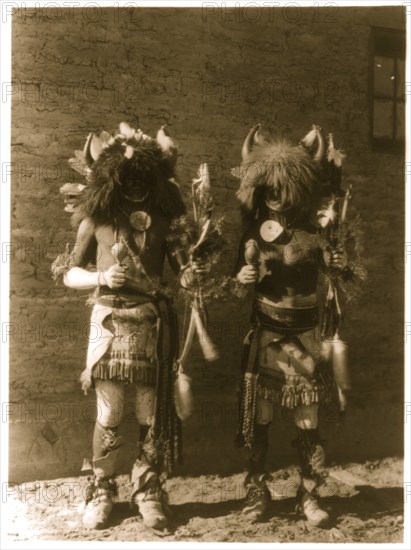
pixel 383 118
pixel 400 120
pixel 384 75
pixel 400 78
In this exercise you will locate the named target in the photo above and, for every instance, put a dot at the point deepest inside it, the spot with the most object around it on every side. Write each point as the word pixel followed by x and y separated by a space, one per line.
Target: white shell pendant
pixel 271 230
pixel 140 220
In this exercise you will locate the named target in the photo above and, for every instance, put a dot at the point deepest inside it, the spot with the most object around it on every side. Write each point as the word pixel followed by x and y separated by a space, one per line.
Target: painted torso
pixel 288 267
pixel 145 256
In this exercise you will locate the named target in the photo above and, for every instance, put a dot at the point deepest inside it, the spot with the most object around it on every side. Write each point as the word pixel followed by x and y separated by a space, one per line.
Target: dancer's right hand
pixel 248 274
pixel 115 276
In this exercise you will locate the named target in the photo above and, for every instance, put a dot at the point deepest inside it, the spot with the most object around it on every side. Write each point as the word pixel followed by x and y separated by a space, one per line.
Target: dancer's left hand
pixel 336 258
pixel 190 274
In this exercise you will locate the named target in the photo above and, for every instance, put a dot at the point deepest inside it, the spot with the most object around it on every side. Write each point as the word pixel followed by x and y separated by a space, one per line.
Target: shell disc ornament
pixel 271 230
pixel 140 220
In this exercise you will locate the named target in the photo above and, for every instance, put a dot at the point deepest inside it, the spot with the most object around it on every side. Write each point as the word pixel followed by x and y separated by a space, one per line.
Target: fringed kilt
pixel 282 364
pixel 138 342
pixel 131 356
pixel 291 370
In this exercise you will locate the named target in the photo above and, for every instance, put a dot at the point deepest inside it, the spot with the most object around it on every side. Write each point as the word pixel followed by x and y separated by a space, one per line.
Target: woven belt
pixel 120 301
pixel 284 319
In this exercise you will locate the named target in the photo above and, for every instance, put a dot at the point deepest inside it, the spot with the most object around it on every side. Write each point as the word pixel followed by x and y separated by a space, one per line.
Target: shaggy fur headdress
pixel 113 164
pixel 291 172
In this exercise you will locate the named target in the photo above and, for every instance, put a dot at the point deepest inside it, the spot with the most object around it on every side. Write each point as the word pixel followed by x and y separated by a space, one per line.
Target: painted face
pixel 273 199
pixel 134 193
pixel 133 187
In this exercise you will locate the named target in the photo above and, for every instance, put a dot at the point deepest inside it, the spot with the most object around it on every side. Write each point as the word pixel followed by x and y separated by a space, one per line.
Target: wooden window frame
pixel 386 42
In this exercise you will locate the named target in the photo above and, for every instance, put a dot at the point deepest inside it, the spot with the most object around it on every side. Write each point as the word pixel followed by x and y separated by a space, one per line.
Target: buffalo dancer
pixel 283 364
pixel 124 215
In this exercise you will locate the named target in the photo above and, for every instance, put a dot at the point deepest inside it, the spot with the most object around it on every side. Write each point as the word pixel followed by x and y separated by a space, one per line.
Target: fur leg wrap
pixel 144 469
pixel 312 459
pixel 311 454
pixel 106 447
pixel 105 440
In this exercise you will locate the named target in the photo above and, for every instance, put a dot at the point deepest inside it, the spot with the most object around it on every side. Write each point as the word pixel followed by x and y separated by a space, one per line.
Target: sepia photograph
pixel 204 247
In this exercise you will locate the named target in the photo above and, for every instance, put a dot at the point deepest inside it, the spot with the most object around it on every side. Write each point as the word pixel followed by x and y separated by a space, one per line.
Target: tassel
pixel 342 400
pixel 327 350
pixel 208 348
pixel 183 396
pixel 340 364
pixel 336 351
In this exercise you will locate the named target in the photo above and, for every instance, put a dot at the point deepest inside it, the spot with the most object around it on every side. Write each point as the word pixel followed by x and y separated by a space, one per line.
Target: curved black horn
pixel 92 149
pixel 87 155
pixel 319 155
pixel 259 139
pixel 248 142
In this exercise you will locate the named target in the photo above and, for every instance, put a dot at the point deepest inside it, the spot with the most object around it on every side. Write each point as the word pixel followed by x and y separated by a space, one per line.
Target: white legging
pixel 110 403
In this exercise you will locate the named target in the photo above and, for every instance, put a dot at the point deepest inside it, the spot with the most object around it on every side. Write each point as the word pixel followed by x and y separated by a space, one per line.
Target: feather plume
pixel 309 138
pixel 167 146
pixel 126 130
pixel 333 154
pixel 80 167
pixel 236 172
pixel 79 155
pixel 129 152
pixel 164 140
pixel 327 215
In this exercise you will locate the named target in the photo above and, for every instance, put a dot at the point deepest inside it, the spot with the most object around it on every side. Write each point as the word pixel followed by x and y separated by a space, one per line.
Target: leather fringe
pixel 293 396
pixel 126 370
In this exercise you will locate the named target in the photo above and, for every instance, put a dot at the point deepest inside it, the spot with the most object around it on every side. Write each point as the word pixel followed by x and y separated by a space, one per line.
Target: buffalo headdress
pixel 292 175
pixel 118 165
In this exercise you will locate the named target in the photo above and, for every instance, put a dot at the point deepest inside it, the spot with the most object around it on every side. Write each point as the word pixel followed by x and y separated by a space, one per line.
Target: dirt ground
pixel 365 502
